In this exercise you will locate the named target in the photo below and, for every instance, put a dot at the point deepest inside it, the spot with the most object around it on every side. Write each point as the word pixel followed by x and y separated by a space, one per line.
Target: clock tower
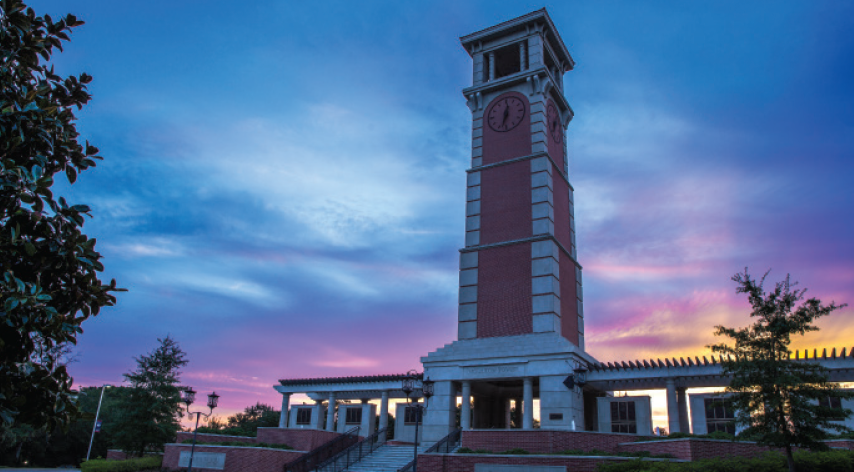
pixel 519 272
pixel 520 320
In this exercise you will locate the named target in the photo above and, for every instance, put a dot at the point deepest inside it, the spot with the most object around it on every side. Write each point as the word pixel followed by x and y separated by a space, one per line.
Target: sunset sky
pixel 283 185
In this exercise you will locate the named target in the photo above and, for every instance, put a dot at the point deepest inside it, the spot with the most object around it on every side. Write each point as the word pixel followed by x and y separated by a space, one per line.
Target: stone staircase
pixel 387 458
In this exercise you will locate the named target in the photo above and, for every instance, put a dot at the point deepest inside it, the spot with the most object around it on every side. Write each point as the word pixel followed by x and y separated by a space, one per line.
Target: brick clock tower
pixel 519 272
pixel 521 321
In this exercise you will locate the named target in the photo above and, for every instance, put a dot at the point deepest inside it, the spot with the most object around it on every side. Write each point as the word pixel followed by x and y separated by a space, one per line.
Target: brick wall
pixel 500 146
pixel 568 299
pixel 694 448
pixel 299 439
pixel 544 441
pixel 504 304
pixel 505 203
pixel 561 204
pixel 843 443
pixel 237 459
pixel 556 149
pixel 466 463
pixel 213 438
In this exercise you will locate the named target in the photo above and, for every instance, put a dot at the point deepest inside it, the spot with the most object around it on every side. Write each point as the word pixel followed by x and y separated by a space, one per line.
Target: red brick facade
pixel 501 146
pixel 237 459
pixel 568 299
pixel 544 441
pixel 561 204
pixel 693 449
pixel 299 439
pixel 504 291
pixel 556 149
pixel 841 443
pixel 505 203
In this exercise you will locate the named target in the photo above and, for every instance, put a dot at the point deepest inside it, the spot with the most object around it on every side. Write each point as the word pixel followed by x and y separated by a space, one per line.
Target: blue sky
pixel 283 183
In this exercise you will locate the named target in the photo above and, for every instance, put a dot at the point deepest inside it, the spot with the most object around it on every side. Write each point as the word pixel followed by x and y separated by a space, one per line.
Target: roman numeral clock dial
pixel 506 114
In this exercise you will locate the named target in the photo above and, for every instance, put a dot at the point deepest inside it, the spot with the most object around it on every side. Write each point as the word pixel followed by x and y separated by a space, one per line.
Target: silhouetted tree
pixel 778 399
pixel 150 410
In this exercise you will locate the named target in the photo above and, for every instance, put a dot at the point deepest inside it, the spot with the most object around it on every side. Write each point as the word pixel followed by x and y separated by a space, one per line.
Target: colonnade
pixel 526 403
pixel 284 416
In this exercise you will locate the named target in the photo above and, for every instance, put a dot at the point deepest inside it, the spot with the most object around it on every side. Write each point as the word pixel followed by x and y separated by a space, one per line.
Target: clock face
pixel 506 114
pixel 553 121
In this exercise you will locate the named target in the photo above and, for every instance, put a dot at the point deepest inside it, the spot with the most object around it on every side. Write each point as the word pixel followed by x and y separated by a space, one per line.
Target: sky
pixel 283 183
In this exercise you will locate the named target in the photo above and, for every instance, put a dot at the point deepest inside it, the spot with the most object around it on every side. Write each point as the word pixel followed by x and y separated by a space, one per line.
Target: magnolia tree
pixel 50 270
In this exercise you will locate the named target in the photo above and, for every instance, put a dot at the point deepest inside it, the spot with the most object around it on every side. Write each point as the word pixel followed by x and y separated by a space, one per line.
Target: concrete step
pixel 386 459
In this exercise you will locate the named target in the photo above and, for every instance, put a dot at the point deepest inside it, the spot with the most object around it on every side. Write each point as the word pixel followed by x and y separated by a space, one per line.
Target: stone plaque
pixel 486 371
pixel 203 460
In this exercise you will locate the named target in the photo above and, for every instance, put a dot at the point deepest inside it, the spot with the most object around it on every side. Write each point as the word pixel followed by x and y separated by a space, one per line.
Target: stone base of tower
pixel 503 372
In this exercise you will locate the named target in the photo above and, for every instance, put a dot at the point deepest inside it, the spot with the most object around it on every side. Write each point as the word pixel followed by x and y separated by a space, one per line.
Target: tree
pixel 776 398
pixel 253 417
pixel 246 423
pixel 150 410
pixel 49 283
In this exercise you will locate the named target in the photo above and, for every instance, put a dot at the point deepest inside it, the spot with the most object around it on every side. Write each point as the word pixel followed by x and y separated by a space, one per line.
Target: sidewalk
pixel 13 469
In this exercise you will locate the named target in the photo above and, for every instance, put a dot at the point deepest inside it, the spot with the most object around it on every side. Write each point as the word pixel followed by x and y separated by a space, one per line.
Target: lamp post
pixel 189 397
pixel 409 389
pixel 95 426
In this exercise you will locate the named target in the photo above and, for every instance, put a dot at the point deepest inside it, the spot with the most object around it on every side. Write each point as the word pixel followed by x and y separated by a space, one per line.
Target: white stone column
pixel 283 416
pixel 672 408
pixel 682 401
pixel 441 412
pixel 523 54
pixel 465 407
pixel 330 413
pixel 384 414
pixel 491 66
pixel 507 415
pixel 528 399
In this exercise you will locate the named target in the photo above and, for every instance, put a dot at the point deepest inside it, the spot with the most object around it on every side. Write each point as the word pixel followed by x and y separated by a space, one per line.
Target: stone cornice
pixel 517 24
pixel 532 239
pixel 526 158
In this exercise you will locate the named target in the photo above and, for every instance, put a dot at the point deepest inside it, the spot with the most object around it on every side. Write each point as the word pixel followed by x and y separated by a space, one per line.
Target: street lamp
pixel 578 377
pixel 95 426
pixel 189 397
pixel 409 386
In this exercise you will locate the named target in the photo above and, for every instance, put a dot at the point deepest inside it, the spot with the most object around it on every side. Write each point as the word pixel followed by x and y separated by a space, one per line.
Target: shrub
pixel 234 431
pixel 598 452
pixel 130 465
pixel 465 450
pixel 515 450
pixel 805 461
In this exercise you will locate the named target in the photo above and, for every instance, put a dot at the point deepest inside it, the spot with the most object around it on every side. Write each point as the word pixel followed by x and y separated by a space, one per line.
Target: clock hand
pixel 506 114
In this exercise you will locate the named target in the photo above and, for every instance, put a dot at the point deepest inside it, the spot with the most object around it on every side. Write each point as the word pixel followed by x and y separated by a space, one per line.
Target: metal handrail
pixel 322 453
pixel 447 444
pixel 354 453
pixel 444 445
